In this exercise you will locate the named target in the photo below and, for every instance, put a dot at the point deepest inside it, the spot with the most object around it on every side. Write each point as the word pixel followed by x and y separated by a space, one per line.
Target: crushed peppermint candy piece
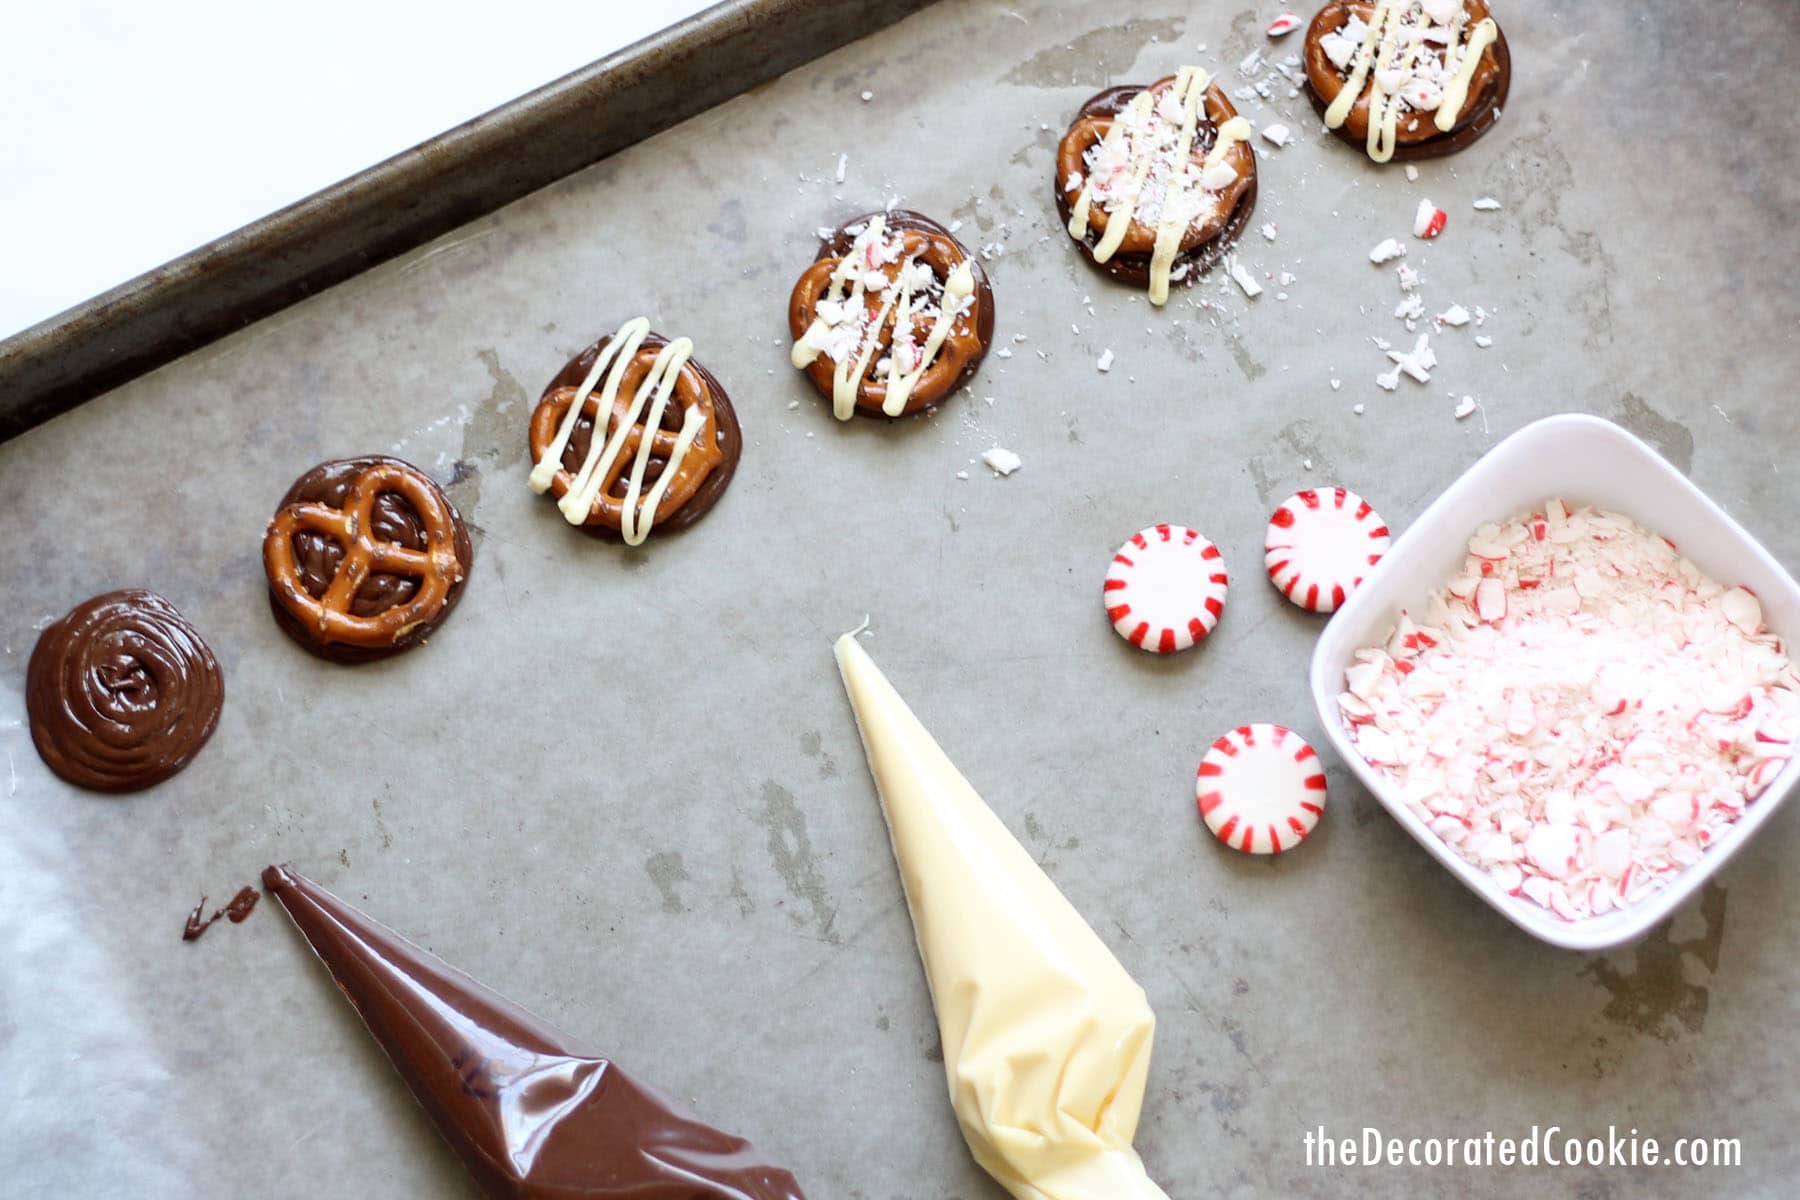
pixel 1268 230
pixel 1409 278
pixel 1001 461
pixel 1277 134
pixel 1411 307
pixel 1579 712
pixel 1387 250
pixel 1429 221
pixel 1245 279
pixel 1466 408
pixel 1483 340
pixel 1487 204
pixel 1342 46
pixel 1283 25
pixel 1412 173
pixel 1415 363
pixel 867 96
pixel 1456 315
pixel 1105 361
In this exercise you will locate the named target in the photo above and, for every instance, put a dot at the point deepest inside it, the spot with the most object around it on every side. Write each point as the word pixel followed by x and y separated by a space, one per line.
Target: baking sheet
pixel 406 200
pixel 693 876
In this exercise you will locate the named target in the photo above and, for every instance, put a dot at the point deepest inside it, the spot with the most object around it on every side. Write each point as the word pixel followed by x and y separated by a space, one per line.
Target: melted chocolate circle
pixel 318 557
pixel 122 692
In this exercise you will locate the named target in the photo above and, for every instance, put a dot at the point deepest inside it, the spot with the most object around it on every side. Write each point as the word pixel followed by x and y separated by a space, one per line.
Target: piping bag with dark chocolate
pixel 528 1117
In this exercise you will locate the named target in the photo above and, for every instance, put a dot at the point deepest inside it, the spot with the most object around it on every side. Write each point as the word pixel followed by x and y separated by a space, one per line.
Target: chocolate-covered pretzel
pixel 122 692
pixel 1407 79
pixel 607 478
pixel 1155 183
pixel 366 557
pixel 892 315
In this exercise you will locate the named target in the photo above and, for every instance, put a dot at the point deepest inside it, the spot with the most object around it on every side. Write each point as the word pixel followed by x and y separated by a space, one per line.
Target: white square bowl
pixel 1583 460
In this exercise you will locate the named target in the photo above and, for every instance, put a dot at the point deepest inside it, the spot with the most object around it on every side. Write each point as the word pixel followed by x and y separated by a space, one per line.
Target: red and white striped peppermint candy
pixel 1165 588
pixel 1261 789
pixel 1320 544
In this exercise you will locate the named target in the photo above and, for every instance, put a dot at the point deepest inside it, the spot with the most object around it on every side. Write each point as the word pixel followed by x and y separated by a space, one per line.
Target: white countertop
pixel 136 132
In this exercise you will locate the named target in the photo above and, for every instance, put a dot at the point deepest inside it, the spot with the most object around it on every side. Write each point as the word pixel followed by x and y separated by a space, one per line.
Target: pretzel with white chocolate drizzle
pixel 1156 182
pixel 891 316
pixel 432 575
pixel 1410 79
pixel 609 477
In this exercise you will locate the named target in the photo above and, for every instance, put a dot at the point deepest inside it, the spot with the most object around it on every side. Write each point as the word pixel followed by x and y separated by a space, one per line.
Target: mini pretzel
pixel 329 618
pixel 920 240
pixel 700 470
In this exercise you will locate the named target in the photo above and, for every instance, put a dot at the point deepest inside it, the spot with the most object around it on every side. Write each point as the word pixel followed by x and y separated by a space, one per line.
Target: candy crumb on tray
pixel 1579 711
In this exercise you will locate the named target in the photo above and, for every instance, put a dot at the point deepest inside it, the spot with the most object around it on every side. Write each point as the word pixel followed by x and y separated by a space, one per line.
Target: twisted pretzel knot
pixel 436 567
pixel 961 345
pixel 1413 125
pixel 1090 128
pixel 701 458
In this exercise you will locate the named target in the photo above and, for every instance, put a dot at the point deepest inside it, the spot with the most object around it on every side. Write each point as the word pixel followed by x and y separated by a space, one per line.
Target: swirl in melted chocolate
pixel 528 1117
pixel 122 692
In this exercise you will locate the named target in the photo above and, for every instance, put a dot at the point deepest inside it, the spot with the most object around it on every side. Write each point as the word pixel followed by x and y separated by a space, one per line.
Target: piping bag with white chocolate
pixel 1046 1038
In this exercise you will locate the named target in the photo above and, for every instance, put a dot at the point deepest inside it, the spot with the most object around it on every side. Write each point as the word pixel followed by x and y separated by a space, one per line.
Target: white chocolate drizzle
pixel 577 504
pixel 901 298
pixel 1185 190
pixel 1396 48
pixel 1456 93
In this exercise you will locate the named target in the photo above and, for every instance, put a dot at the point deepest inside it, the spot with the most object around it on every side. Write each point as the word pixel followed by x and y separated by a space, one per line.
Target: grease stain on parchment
pixel 493 438
pixel 1664 994
pixel 1094 57
pixel 1536 176
pixel 791 854
pixel 1673 440
pixel 1272 471
pixel 665 871
pixel 812 744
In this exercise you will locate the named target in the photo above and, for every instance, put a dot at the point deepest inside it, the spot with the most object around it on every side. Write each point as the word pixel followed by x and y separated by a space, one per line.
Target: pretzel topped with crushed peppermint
pixel 891 316
pixel 1156 182
pixel 1407 79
